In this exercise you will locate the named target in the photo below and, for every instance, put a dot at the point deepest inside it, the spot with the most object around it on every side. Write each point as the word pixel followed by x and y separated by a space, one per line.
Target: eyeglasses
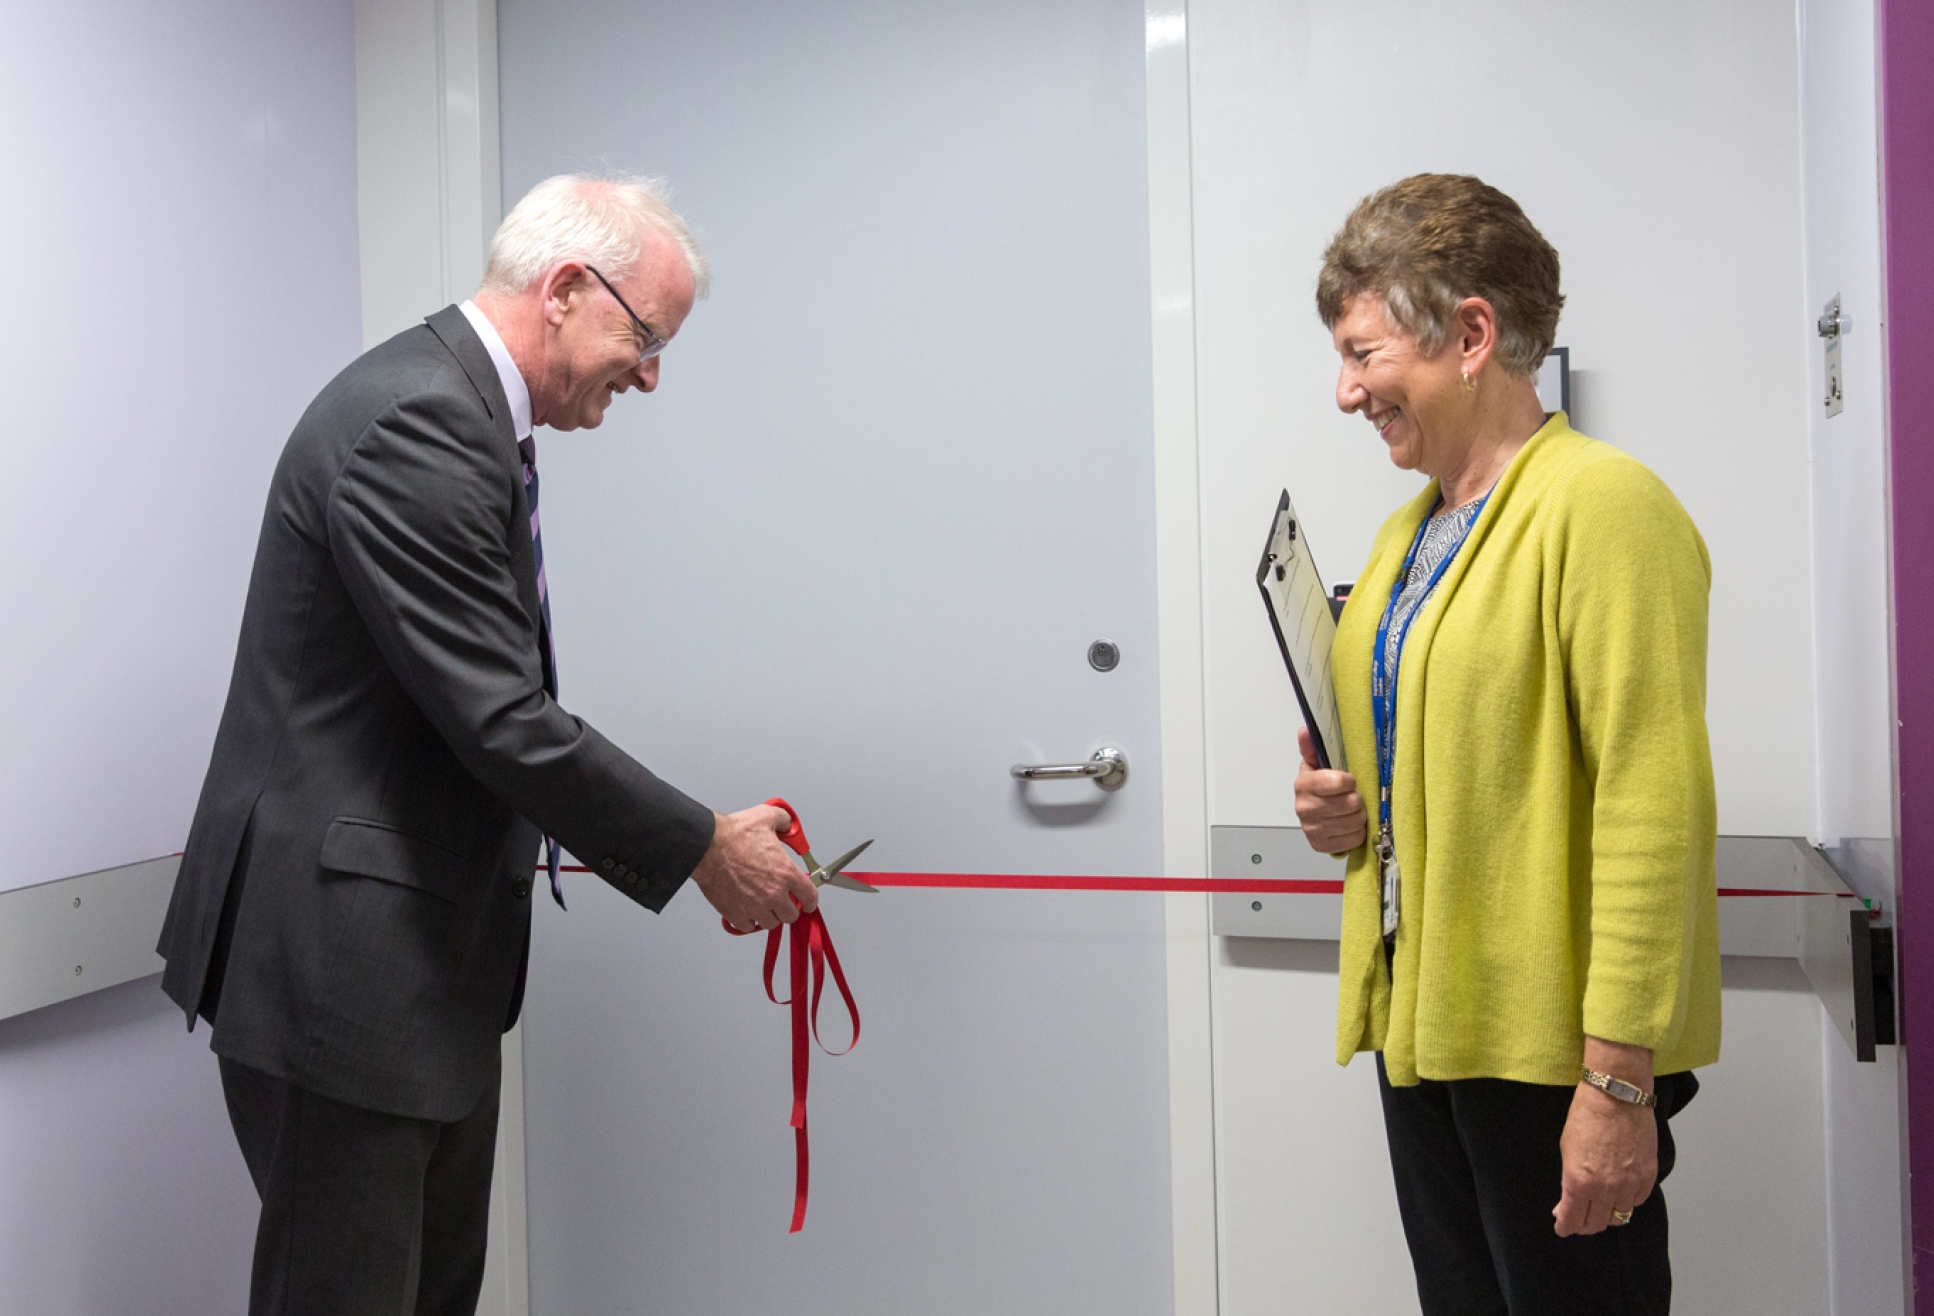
pixel 653 343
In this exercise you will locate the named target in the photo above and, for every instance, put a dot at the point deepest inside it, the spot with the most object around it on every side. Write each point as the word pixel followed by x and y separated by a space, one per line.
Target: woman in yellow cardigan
pixel 1529 925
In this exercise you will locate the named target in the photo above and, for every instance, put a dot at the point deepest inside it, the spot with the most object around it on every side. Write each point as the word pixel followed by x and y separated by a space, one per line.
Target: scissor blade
pixel 831 873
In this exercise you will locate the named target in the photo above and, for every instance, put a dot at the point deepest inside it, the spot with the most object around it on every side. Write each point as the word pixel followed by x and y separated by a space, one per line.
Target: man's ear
pixel 558 288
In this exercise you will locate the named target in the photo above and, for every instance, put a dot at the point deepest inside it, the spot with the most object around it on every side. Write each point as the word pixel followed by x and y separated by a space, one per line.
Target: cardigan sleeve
pixel 1633 582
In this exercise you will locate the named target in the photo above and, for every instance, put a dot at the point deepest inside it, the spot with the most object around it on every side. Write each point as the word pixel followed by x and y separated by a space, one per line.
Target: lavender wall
pixel 1907 183
pixel 182 216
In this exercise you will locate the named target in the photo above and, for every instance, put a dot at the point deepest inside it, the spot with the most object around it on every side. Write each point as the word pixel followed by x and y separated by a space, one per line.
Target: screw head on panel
pixel 1103 656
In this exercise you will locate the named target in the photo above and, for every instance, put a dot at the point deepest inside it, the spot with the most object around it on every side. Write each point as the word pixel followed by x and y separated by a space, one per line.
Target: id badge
pixel 1392 882
pixel 1392 885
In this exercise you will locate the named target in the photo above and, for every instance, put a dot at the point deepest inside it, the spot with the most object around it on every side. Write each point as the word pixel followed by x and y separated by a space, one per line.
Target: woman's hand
pixel 1327 804
pixel 1610 1147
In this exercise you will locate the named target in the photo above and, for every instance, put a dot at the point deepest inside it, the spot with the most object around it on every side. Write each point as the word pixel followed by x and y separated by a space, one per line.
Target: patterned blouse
pixel 1444 534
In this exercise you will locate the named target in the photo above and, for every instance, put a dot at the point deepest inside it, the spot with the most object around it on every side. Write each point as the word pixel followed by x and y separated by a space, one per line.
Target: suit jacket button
pixel 606 865
pixel 631 879
pixel 521 888
pixel 619 872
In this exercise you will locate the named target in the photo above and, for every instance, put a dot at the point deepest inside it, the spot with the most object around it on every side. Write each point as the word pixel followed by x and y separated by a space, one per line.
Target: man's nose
pixel 647 374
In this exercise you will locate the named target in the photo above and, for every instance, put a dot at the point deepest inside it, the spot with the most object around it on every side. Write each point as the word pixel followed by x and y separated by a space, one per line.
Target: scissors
pixel 820 874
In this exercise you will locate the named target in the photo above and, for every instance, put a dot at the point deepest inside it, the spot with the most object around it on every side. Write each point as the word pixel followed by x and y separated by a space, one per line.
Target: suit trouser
pixel 1478 1170
pixel 363 1213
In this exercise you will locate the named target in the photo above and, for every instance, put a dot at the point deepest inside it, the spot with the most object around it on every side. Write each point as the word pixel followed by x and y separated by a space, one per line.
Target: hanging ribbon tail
pixel 801 1059
pixel 811 942
pixel 801 1155
pixel 801 1055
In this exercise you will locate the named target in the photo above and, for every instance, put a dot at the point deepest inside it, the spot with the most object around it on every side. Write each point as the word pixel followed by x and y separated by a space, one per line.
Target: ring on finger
pixel 1621 1217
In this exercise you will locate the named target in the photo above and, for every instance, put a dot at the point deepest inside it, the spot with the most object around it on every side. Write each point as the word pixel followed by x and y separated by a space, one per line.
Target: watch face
pixel 1631 1092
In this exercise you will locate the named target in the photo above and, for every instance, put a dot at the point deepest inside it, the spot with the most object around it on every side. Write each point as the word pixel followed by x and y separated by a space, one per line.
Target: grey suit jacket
pixel 353 905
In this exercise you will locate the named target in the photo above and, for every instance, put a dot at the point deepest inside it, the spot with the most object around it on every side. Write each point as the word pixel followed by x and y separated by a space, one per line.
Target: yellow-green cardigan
pixel 1553 801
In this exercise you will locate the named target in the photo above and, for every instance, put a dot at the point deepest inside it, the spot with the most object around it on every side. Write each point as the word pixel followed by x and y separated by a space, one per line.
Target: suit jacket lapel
pixel 449 325
pixel 454 330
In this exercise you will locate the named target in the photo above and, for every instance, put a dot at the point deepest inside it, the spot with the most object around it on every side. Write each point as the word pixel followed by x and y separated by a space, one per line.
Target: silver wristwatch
pixel 1619 1090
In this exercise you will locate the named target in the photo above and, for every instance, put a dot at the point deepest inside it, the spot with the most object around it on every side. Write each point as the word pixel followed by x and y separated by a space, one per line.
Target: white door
pixel 895 482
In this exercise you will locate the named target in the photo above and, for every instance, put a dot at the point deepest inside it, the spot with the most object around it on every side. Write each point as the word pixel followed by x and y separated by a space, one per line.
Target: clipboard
pixel 1305 627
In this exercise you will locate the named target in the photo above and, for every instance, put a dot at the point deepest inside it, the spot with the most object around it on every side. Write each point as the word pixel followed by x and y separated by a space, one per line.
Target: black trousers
pixel 363 1214
pixel 1478 1170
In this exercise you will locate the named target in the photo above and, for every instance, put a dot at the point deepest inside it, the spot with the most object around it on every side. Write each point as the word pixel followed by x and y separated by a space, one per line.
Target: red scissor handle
pixel 795 835
pixel 795 838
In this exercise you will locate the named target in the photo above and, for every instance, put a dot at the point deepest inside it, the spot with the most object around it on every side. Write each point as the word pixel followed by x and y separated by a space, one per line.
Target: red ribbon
pixel 810 942
pixel 1183 885
pixel 1049 882
pixel 812 945
pixel 1260 886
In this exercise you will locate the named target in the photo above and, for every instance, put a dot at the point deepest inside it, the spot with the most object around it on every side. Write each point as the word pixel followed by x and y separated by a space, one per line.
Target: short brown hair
pixel 1426 243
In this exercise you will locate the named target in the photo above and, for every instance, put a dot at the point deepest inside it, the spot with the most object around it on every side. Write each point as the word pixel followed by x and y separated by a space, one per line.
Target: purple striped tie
pixel 527 446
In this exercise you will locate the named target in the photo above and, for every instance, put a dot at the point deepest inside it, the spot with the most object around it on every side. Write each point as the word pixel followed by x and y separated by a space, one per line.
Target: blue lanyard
pixel 1383 688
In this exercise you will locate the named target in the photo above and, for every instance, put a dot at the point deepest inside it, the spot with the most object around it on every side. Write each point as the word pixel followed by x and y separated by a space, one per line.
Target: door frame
pixel 429 195
pixel 1193 1192
pixel 1906 47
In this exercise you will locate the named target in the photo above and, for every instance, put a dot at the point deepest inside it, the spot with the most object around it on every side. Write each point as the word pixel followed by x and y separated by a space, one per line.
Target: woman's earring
pixel 1470 385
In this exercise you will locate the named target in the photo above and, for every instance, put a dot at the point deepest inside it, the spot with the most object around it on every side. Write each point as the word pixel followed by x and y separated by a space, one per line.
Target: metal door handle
pixel 1108 769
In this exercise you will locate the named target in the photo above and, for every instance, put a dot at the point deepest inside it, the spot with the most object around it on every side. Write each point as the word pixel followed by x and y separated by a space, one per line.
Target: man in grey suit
pixel 353 908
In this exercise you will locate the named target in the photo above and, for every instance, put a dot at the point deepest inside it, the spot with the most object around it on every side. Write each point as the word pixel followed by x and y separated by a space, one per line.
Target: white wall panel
pixel 1656 146
pixel 1309 1218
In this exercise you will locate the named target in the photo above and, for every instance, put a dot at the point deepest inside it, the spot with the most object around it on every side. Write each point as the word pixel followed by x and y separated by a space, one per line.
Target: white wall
pixel 181 209
pixel 1308 1216
pixel 1657 145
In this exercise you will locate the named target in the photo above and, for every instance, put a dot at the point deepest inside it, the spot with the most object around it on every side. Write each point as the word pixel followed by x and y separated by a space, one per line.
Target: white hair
pixel 600 220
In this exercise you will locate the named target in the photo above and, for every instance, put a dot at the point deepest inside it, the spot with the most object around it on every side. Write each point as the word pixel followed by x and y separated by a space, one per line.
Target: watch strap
pixel 1618 1089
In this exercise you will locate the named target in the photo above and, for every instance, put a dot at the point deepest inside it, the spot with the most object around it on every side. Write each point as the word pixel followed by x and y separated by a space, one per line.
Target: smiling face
pixel 596 341
pixel 1415 401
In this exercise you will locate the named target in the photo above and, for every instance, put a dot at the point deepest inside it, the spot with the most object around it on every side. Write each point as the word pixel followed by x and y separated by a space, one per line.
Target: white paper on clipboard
pixel 1299 613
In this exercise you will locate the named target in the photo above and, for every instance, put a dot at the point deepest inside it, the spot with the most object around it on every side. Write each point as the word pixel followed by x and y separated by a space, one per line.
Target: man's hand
pixel 1327 804
pixel 1610 1147
pixel 749 875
